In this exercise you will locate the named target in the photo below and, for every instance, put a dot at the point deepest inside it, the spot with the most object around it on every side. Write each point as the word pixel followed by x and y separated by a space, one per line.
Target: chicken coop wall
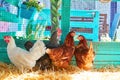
pixel 104 56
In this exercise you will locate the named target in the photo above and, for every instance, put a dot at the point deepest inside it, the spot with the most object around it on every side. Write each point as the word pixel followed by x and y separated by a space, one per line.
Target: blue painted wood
pixel 114 25
pixel 112 15
pixel 27 13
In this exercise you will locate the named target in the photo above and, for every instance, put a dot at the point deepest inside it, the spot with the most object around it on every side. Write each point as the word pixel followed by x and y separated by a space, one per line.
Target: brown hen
pixel 62 55
pixel 84 55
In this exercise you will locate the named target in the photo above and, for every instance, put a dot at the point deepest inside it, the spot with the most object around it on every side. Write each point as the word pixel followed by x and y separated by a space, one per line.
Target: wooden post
pixel 65 18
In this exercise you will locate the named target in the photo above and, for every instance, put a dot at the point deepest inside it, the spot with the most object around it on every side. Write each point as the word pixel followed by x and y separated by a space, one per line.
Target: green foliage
pixel 34 3
pixel 29 30
pixel 55 5
pixel 37 33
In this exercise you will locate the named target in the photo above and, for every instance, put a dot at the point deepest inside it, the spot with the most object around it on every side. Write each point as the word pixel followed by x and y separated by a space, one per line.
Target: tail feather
pixel 91 48
pixel 38 50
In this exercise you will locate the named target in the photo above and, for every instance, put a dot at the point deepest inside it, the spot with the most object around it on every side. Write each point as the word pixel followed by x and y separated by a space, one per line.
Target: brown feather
pixel 84 55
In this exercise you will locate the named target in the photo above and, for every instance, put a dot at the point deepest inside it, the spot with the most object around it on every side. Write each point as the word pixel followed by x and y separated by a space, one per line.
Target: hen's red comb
pixel 6 37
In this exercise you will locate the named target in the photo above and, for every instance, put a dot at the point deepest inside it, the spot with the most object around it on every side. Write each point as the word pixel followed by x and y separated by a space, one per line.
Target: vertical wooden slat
pixel 113 11
pixel 65 19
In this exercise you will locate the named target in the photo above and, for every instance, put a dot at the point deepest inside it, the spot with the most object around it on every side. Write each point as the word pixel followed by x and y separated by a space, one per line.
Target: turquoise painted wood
pixel 65 23
pixel 13 2
pixel 66 26
pixel 107 53
pixel 2 34
pixel 8 17
pixel 2 9
pixel 115 57
pixel 86 19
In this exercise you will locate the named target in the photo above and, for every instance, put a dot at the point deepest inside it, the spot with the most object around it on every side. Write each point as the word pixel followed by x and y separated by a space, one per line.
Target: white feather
pixel 22 58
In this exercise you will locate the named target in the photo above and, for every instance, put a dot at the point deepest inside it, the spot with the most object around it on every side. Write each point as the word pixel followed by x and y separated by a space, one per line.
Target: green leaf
pixel 59 3
pixel 54 8
pixel 54 19
pixel 52 1
pixel 53 23
pixel 53 13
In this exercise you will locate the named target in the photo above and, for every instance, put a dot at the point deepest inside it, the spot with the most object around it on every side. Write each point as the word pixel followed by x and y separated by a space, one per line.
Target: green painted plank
pixel 2 34
pixel 109 52
pixel 107 62
pixel 107 58
pixel 8 17
pixel 66 3
pixel 4 58
pixel 13 2
pixel 108 46
pixel 104 58
pixel 3 50
pixel 2 9
pixel 105 65
pixel 65 23
pixel 100 64
pixel 107 43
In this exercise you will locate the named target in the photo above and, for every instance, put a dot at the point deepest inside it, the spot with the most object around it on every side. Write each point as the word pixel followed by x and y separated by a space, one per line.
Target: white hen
pixel 21 58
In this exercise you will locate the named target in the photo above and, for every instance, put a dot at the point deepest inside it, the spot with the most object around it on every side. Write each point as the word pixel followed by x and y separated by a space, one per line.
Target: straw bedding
pixel 10 72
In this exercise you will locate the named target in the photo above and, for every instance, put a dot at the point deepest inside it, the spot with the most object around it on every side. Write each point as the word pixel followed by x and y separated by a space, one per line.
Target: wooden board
pixel 8 17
